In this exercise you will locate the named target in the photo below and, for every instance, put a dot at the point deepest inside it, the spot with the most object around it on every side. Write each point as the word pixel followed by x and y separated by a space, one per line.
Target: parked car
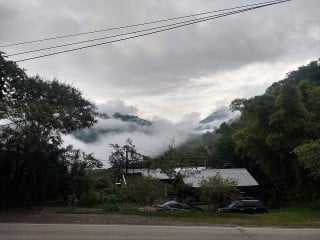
pixel 245 206
pixel 173 206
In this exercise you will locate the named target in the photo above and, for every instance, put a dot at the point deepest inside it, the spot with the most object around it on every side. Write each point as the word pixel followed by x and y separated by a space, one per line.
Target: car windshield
pixel 168 203
pixel 232 205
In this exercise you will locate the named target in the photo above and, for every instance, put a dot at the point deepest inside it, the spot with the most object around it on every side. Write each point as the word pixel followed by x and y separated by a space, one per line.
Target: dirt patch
pixel 50 215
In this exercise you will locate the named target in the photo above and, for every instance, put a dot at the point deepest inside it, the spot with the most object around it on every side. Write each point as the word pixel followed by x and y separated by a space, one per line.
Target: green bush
pixel 72 202
pixel 144 190
pixel 112 202
pixel 93 198
pixel 316 205
pixel 218 191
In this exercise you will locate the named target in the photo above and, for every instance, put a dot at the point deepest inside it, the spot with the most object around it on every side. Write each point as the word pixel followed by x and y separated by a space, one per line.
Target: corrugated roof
pixel 241 175
pixel 194 176
pixel 154 173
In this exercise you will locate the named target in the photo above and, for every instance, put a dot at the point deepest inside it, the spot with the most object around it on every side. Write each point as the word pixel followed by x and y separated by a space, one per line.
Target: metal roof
pixel 194 176
pixel 154 173
pixel 241 175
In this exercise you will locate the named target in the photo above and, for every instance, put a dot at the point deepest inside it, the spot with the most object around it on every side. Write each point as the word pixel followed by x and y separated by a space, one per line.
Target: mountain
pixel 216 118
pixel 221 114
pixel 131 118
pixel 103 116
pixel 116 123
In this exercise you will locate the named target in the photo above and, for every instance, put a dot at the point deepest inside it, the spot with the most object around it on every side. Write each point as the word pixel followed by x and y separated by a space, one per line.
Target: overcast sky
pixel 195 69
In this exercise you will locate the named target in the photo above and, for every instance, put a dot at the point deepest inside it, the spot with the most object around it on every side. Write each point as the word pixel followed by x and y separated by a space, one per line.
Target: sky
pixel 193 69
pixel 177 75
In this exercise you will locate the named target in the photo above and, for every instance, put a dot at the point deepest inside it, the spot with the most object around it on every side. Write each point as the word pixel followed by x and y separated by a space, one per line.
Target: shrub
pixel 112 202
pixel 72 202
pixel 144 190
pixel 218 190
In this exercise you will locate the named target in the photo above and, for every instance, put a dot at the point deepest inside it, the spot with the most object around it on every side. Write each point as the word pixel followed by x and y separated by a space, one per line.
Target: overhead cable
pixel 152 32
pixel 132 25
pixel 129 33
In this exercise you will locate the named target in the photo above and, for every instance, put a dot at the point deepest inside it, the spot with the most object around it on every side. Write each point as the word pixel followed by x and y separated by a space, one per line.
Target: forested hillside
pixel 278 128
pixel 277 138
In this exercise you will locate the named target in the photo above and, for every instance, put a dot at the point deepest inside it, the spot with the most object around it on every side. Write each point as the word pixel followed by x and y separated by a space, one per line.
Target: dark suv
pixel 245 206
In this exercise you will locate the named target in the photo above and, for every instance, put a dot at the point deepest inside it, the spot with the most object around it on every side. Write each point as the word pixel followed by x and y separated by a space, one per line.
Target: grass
pixel 280 218
pixel 290 217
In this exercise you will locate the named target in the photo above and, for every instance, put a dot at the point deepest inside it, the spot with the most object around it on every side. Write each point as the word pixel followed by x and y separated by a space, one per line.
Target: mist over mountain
pixel 151 137
pixel 211 122
pixel 130 118
pixel 124 123
pixel 220 114
pixel 116 123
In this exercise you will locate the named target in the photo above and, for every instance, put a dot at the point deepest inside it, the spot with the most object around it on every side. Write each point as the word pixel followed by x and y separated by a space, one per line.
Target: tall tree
pixel 309 156
pixel 277 123
pixel 10 73
pixel 80 184
pixel 34 113
pixel 123 157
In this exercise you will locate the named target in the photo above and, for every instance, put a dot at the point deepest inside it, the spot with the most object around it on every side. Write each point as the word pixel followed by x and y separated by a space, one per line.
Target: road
pixel 18 231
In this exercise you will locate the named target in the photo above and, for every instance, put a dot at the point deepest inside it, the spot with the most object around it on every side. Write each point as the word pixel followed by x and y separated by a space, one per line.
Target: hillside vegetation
pixel 277 138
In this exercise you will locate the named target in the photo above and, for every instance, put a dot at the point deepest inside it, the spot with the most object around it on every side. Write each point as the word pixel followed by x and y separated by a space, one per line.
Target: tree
pixel 274 125
pixel 117 158
pixel 80 185
pixel 144 190
pixel 47 105
pixel 169 161
pixel 224 146
pixel 10 73
pixel 218 190
pixel 123 156
pixel 33 163
pixel 181 190
pixel 309 156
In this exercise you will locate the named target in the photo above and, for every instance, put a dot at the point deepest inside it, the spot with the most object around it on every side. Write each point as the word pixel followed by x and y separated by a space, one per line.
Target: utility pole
pixel 127 161
pixel 207 154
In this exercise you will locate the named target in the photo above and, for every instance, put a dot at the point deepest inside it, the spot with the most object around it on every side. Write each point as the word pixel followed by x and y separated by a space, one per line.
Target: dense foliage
pixel 309 157
pixel 276 124
pixel 276 138
pixel 144 190
pixel 217 191
pixel 34 166
pixel 123 157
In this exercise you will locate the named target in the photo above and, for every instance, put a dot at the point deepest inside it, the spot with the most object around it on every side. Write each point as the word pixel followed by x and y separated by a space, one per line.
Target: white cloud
pixel 117 105
pixel 149 140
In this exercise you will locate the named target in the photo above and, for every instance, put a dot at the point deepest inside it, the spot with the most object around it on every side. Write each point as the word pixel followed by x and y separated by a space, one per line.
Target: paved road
pixel 129 232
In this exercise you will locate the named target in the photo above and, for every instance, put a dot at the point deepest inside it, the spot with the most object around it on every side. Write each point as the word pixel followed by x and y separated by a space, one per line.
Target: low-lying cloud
pixel 149 140
pixel 111 107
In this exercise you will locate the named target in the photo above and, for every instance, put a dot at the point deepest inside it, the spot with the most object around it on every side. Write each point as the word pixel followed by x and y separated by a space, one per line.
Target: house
pixel 193 176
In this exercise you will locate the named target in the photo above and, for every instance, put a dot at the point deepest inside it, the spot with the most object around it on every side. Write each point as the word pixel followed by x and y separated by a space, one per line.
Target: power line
pixel 117 35
pixel 149 33
pixel 112 36
pixel 132 25
pixel 102 38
